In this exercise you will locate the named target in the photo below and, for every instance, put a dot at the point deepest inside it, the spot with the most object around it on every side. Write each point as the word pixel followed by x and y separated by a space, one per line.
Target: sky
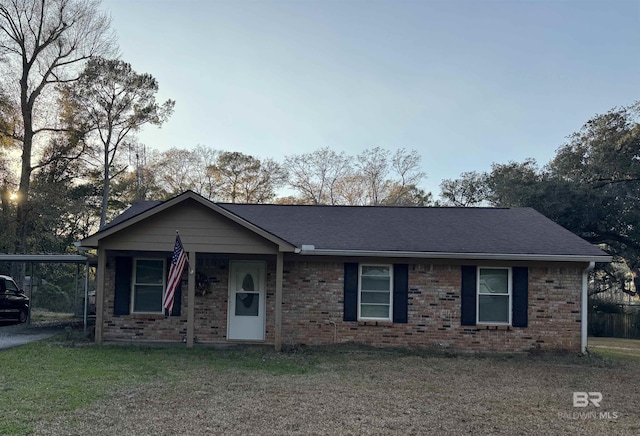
pixel 465 83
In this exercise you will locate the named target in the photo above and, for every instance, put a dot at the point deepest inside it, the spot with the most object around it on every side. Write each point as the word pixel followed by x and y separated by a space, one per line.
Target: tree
pixel 513 184
pixel 351 189
pixel 404 191
pixel 471 189
pixel 391 180
pixel 66 210
pixel 373 167
pixel 9 121
pixel 316 175
pixel 45 42
pixel 327 177
pixel 601 164
pixel 175 170
pixel 407 195
pixel 591 187
pixel 114 101
pixel 246 179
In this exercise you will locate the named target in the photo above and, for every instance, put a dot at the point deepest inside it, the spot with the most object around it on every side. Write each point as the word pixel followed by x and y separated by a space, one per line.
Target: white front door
pixel 246 320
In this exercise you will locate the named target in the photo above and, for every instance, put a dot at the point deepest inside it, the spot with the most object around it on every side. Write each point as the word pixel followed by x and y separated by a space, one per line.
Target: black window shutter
pixel 400 293
pixel 122 293
pixel 350 291
pixel 520 303
pixel 468 295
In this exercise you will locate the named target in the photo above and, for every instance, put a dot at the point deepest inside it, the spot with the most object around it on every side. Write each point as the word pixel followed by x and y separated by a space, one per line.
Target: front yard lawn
pixel 615 347
pixel 57 387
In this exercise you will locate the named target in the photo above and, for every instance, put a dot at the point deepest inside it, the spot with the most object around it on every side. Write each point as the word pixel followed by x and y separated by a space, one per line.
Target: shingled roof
pixel 417 229
pixel 445 231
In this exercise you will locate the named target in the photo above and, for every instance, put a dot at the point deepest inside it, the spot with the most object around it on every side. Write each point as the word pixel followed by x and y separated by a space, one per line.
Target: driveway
pixel 13 335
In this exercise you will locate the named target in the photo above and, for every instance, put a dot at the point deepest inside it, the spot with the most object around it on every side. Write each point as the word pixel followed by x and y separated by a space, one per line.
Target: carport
pixel 77 259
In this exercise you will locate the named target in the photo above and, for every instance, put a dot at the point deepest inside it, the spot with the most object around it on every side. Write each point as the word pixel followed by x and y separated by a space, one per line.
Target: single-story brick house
pixel 480 279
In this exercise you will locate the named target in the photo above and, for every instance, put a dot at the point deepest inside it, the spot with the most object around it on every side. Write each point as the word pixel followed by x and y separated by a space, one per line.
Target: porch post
pixel 191 298
pixel 101 272
pixel 279 278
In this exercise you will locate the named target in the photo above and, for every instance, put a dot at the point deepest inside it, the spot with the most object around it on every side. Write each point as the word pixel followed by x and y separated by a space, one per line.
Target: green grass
pixel 45 315
pixel 616 348
pixel 44 379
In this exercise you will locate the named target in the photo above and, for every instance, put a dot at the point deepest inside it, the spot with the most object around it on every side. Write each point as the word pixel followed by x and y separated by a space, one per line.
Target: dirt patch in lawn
pixel 373 392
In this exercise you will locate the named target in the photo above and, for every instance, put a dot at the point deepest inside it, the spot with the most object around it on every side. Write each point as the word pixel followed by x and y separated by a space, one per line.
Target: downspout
pixel 585 306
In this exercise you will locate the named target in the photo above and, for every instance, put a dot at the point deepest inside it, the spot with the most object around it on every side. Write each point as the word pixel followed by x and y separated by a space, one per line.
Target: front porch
pixel 205 311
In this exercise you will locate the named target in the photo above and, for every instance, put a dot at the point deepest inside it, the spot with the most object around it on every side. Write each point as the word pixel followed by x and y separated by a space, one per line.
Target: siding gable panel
pixel 200 228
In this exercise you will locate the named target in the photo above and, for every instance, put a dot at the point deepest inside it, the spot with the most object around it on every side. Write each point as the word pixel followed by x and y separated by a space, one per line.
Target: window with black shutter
pixel 374 292
pixel 494 296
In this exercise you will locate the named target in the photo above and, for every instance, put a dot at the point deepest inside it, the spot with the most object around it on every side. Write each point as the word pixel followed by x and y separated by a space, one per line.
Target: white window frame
pixel 134 283
pixel 390 267
pixel 509 294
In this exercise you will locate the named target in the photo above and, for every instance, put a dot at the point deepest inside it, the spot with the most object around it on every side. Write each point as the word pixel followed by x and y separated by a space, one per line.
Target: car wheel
pixel 24 315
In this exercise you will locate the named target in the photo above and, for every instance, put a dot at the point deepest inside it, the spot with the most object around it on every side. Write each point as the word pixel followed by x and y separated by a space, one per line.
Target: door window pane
pixel 247 283
pixel 247 304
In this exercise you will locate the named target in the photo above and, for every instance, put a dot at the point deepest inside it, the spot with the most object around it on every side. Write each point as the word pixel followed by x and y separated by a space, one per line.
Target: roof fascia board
pixel 464 256
pixel 92 241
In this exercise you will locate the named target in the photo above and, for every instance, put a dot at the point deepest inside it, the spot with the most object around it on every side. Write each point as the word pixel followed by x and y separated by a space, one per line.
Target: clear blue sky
pixel 466 83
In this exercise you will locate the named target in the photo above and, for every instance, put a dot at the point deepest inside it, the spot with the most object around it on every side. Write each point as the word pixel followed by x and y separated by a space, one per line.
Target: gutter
pixel 310 250
pixel 585 309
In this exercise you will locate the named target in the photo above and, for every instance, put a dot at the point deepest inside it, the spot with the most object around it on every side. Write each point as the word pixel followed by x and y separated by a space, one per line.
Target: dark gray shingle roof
pixel 135 209
pixel 492 231
pixel 417 229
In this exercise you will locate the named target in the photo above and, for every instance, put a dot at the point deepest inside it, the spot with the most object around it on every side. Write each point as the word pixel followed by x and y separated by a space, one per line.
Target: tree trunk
pixel 105 189
pixel 22 210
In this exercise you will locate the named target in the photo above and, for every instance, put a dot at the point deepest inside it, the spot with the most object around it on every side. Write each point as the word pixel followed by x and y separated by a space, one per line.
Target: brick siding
pixel 313 308
pixel 312 311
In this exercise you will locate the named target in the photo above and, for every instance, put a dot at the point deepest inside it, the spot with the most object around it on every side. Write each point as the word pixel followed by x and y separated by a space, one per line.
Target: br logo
pixel 583 399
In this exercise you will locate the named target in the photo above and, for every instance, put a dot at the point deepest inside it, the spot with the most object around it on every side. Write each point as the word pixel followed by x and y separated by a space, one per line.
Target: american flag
pixel 175 274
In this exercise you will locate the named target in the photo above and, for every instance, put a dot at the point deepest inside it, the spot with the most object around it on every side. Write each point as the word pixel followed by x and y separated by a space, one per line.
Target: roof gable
pixel 148 211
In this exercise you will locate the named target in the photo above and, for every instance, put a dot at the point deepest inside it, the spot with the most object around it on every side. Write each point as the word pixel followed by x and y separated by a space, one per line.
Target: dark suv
pixel 13 303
